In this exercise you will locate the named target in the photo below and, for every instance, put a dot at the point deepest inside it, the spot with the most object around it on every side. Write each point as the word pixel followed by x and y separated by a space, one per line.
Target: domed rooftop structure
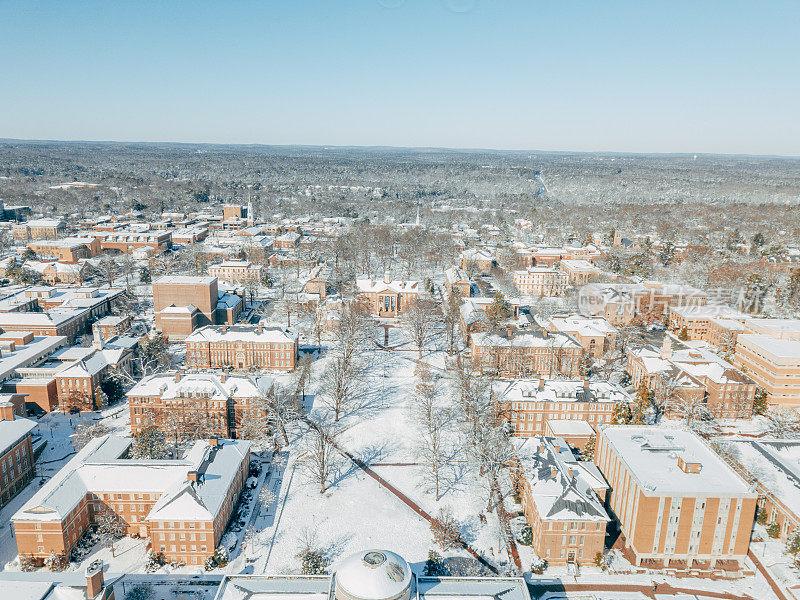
pixel 373 575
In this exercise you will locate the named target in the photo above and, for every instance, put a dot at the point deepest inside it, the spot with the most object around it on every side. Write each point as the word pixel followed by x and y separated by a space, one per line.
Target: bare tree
pixel 86 432
pixel 689 406
pixel 418 320
pixel 452 317
pixel 783 422
pixel 431 418
pixel 446 530
pixel 341 382
pixel 319 458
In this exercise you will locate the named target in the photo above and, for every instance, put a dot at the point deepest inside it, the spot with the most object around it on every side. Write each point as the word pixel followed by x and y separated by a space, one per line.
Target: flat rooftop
pixel 651 455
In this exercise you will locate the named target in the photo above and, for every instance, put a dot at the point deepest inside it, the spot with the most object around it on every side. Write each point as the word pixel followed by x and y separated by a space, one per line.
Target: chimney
pixel 224 327
pixel 97 337
pixel 541 383
pixel 177 375
pixel 94 579
pixel 553 472
pixel 260 327
pixel 541 447
pixel 223 377
pixel 191 476
pixel 213 442
pixel 386 278
pixel 586 384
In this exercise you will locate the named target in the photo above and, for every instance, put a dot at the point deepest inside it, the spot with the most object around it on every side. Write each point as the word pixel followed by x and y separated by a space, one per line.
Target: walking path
pixel 767 575
pixel 403 498
pixel 651 591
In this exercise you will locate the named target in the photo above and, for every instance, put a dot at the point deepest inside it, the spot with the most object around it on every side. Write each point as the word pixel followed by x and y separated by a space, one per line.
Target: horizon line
pixel 465 149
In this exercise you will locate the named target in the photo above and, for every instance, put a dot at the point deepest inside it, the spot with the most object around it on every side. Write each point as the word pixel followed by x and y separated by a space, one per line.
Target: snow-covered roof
pixel 708 311
pixel 525 339
pixel 651 456
pixel 184 280
pixel 35 320
pixel 557 390
pixel 774 463
pixel 579 265
pixel 562 488
pixel 243 333
pixel 381 285
pixel 22 356
pixel 584 326
pixel 210 385
pixel 373 574
pixel 98 467
pixel 781 348
pixel 569 427
pixel 12 431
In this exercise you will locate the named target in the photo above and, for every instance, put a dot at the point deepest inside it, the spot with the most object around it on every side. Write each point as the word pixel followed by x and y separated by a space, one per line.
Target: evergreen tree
pixel 760 401
pixel 499 310
pixel 642 405
pixel 144 275
pixel 793 542
pixel 149 442
pixel 684 334
pixel 588 450
pixel 621 414
pixel 773 530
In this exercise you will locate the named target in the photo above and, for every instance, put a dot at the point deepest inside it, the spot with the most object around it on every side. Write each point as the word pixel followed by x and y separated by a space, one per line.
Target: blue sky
pixel 639 76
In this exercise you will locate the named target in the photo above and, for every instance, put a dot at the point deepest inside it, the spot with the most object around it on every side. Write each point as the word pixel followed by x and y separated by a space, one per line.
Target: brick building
pixel 692 375
pixel 529 405
pixel 773 364
pixel 476 258
pixel 242 347
pixel 596 336
pixel 387 297
pixel 457 279
pixel 579 272
pixel 540 281
pixel 648 302
pixel 562 500
pixel 69 322
pixel 678 503
pixel 182 505
pixel 127 241
pixel 38 229
pixel 213 403
pixel 237 271
pixel 67 250
pixel 694 321
pixel 524 353
pixel 184 303
pixel 16 452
